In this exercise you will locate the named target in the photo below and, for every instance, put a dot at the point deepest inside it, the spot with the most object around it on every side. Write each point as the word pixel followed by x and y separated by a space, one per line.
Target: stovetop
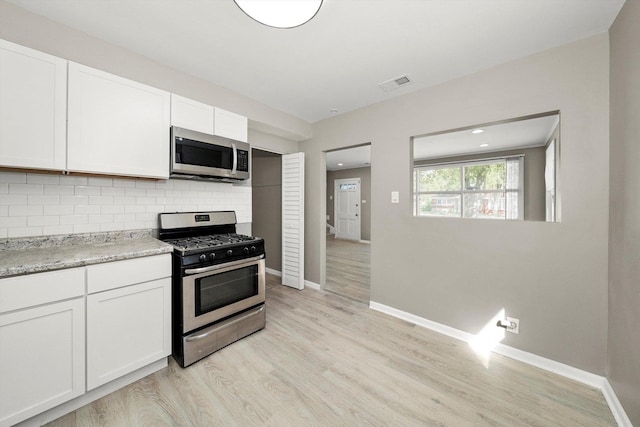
pixel 201 239
pixel 198 243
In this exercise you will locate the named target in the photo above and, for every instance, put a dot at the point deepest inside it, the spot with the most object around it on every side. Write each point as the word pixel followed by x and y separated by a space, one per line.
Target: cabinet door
pixel 33 95
pixel 42 353
pixel 230 125
pixel 127 328
pixel 189 114
pixel 116 126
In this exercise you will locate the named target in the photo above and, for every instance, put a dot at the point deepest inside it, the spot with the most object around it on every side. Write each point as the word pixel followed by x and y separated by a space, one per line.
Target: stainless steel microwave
pixel 199 155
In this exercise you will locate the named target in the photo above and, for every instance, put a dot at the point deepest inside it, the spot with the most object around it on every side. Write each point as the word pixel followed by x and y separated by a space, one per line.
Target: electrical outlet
pixel 514 325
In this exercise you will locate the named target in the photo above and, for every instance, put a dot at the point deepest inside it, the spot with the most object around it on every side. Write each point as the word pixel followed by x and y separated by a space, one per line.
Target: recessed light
pixel 340 164
pixel 477 131
pixel 484 145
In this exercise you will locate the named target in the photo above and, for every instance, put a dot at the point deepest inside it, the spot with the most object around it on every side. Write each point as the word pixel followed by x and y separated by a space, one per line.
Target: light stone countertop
pixel 39 254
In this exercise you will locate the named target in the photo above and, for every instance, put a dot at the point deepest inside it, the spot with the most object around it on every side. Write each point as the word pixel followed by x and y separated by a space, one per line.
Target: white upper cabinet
pixel 189 114
pixel 116 126
pixel 230 125
pixel 33 95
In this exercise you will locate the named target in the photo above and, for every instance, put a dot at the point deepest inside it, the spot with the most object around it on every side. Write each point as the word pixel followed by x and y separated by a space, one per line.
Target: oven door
pixel 213 293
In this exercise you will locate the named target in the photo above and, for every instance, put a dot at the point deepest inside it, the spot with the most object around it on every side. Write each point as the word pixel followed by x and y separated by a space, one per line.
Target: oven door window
pixel 197 153
pixel 222 289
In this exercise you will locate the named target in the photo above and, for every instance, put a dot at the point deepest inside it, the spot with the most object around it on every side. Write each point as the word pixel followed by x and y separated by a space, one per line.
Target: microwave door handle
pixel 235 158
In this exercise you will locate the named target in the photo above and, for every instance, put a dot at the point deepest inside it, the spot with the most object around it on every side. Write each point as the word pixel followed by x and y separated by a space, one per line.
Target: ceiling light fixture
pixel 477 131
pixel 484 145
pixel 280 13
pixel 340 164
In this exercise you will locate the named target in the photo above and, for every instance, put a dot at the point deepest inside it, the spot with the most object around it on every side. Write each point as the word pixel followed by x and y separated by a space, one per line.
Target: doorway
pixel 348 222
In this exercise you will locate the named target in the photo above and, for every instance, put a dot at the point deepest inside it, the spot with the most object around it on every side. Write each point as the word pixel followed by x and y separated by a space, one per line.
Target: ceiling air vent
pixel 394 84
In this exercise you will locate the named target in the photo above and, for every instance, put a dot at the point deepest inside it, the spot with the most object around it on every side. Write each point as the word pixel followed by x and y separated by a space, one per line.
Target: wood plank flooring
pixel 348 269
pixel 325 360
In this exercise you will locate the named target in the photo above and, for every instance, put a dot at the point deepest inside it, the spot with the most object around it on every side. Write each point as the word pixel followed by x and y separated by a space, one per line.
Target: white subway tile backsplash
pixel 67 190
pixel 100 200
pixel 74 200
pixel 74 219
pixel 38 221
pixel 83 190
pixel 18 210
pixel 13 199
pixel 13 221
pixel 100 182
pixel 86 228
pixel 112 209
pixel 57 229
pixel 26 188
pixel 24 231
pixel 13 177
pixel 37 199
pixel 86 209
pixel 33 178
pixel 34 204
pixel 58 210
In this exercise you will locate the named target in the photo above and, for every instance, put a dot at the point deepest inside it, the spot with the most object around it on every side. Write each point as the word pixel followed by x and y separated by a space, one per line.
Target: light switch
pixel 395 197
pixel 364 201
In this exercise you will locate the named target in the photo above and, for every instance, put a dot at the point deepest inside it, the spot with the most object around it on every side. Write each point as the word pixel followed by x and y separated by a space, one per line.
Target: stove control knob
pixel 212 256
pixel 245 250
pixel 253 249
pixel 203 258
pixel 229 253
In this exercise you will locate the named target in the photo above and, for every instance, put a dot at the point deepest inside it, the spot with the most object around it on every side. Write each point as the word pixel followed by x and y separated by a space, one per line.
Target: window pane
pixel 440 179
pixel 484 177
pixel 484 205
pixel 439 205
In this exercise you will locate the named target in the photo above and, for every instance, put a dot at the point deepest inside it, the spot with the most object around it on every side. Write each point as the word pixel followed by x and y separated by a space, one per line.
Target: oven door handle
pixel 190 271
pixel 236 320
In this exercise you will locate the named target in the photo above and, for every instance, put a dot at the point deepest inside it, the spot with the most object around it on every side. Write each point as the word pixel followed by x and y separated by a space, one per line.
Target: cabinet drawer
pixel 112 275
pixel 40 288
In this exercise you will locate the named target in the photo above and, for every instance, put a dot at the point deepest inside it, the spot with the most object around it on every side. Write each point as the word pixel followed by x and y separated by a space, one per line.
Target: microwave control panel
pixel 243 161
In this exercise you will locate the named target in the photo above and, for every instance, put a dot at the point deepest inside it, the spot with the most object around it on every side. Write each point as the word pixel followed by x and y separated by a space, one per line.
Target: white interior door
pixel 293 220
pixel 347 208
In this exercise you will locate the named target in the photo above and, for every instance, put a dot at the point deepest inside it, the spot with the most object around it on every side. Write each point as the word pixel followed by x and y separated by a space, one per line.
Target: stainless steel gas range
pixel 218 282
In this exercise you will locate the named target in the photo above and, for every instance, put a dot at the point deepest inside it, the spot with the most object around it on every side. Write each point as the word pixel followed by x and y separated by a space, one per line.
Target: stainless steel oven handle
pixel 235 158
pixel 239 319
pixel 224 265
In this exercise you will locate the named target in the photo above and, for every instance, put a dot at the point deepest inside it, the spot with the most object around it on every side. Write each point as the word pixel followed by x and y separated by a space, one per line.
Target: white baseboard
pixel 614 404
pixel 368 242
pixel 567 371
pixel 274 272
pixel 312 285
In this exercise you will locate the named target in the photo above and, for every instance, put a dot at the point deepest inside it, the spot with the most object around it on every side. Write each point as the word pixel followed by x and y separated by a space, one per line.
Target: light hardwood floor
pixel 325 360
pixel 348 269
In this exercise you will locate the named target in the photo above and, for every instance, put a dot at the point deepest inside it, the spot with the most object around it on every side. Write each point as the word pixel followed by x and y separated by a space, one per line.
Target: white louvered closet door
pixel 293 220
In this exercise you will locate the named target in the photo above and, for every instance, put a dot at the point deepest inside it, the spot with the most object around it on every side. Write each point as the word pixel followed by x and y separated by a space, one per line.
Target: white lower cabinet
pixel 65 333
pixel 127 328
pixel 42 354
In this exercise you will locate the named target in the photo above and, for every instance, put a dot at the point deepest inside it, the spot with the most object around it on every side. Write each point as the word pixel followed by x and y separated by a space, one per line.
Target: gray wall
pixel 365 194
pixel 266 181
pixel 534 186
pixel 460 273
pixel 20 26
pixel 623 360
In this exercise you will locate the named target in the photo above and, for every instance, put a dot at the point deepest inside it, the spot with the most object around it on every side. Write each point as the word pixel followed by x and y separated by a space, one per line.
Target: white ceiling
pixel 533 132
pixel 337 60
